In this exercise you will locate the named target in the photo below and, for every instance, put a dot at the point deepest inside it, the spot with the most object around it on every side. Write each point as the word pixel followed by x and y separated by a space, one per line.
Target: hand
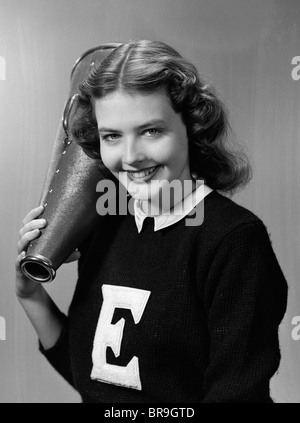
pixel 31 230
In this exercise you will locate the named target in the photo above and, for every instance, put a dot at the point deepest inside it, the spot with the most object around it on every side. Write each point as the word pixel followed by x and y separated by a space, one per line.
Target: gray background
pixel 243 47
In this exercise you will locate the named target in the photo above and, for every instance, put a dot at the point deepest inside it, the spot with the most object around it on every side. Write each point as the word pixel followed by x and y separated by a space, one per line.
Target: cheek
pixel 109 157
pixel 174 153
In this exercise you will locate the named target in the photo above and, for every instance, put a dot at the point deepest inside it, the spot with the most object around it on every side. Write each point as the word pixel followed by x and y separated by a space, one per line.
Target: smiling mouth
pixel 136 175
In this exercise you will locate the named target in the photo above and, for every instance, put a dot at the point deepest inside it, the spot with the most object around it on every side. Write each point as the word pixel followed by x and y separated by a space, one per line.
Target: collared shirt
pixel 181 210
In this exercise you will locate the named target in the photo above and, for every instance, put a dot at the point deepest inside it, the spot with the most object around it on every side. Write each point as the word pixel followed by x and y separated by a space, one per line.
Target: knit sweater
pixel 188 314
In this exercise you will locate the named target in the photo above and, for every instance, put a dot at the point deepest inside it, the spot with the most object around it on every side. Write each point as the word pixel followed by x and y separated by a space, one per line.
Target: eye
pixel 152 132
pixel 110 137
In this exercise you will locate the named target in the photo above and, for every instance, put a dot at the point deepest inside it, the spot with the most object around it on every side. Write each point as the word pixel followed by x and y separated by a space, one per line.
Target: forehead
pixel 125 109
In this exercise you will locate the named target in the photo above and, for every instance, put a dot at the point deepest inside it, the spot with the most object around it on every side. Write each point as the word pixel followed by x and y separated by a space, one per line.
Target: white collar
pixel 179 212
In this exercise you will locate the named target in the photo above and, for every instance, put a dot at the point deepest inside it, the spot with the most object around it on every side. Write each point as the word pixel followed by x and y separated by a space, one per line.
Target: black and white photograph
pixel 150 203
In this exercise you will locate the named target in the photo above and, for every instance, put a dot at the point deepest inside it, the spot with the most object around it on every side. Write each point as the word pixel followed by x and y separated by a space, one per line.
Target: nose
pixel 133 153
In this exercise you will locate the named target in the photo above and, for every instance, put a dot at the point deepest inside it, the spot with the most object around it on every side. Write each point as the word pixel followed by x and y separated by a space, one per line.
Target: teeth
pixel 142 174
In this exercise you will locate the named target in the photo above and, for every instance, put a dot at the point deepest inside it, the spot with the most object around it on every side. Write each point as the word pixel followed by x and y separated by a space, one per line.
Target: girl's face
pixel 142 139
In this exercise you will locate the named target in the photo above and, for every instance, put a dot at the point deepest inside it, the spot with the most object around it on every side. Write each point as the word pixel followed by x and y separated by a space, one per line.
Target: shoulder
pixel 233 238
pixel 223 213
pixel 219 206
pixel 223 217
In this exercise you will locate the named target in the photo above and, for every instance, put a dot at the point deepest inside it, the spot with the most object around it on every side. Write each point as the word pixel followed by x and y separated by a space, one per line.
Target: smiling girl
pixel 163 310
pixel 142 139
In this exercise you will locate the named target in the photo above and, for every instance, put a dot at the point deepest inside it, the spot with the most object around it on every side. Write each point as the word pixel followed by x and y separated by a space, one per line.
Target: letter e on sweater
pixel 108 335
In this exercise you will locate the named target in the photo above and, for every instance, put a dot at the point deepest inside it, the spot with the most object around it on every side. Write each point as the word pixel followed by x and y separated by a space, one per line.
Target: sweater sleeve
pixel 245 298
pixel 58 355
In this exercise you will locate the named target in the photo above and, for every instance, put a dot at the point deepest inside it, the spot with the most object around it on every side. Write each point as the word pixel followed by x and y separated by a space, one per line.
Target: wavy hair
pixel 146 66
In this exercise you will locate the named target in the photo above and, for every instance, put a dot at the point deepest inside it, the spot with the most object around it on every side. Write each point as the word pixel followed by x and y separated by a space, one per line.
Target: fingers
pixel 32 225
pixel 18 260
pixel 33 214
pixel 26 239
pixel 31 228
pixel 29 232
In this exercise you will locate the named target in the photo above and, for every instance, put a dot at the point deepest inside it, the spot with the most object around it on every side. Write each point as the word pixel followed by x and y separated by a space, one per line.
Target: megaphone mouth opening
pixel 38 269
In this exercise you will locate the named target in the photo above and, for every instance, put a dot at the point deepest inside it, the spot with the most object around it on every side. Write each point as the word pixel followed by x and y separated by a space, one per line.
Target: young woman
pixel 168 307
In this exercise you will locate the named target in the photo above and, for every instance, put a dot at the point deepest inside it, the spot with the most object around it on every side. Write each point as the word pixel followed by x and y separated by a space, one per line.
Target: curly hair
pixel 146 66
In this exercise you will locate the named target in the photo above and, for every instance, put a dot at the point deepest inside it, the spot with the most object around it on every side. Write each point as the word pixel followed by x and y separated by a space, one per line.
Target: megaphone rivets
pixel 57 171
pixel 67 141
pixel 50 190
pixel 64 152
pixel 45 204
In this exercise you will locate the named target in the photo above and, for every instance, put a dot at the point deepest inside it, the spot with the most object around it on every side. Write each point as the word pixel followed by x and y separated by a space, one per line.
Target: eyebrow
pixel 140 127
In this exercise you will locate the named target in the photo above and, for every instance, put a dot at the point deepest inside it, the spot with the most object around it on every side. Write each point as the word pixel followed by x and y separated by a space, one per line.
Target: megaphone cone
pixel 69 192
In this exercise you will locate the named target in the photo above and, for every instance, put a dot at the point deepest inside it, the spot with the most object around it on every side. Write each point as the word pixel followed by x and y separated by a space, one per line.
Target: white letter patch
pixel 108 335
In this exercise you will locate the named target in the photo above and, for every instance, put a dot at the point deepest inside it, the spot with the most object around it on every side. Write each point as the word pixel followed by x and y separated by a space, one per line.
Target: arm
pixel 245 299
pixel 44 316
pixel 48 321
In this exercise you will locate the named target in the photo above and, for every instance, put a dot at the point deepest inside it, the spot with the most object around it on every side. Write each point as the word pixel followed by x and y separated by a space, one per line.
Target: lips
pixel 142 175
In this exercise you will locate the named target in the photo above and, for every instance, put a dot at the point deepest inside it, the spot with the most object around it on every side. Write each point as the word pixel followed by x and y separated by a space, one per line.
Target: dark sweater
pixel 208 330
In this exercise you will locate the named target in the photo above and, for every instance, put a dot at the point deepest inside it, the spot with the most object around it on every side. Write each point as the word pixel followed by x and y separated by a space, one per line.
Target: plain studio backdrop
pixel 246 49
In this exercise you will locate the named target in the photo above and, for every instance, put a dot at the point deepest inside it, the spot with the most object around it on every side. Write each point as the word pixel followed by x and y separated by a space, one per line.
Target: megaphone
pixel 69 192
